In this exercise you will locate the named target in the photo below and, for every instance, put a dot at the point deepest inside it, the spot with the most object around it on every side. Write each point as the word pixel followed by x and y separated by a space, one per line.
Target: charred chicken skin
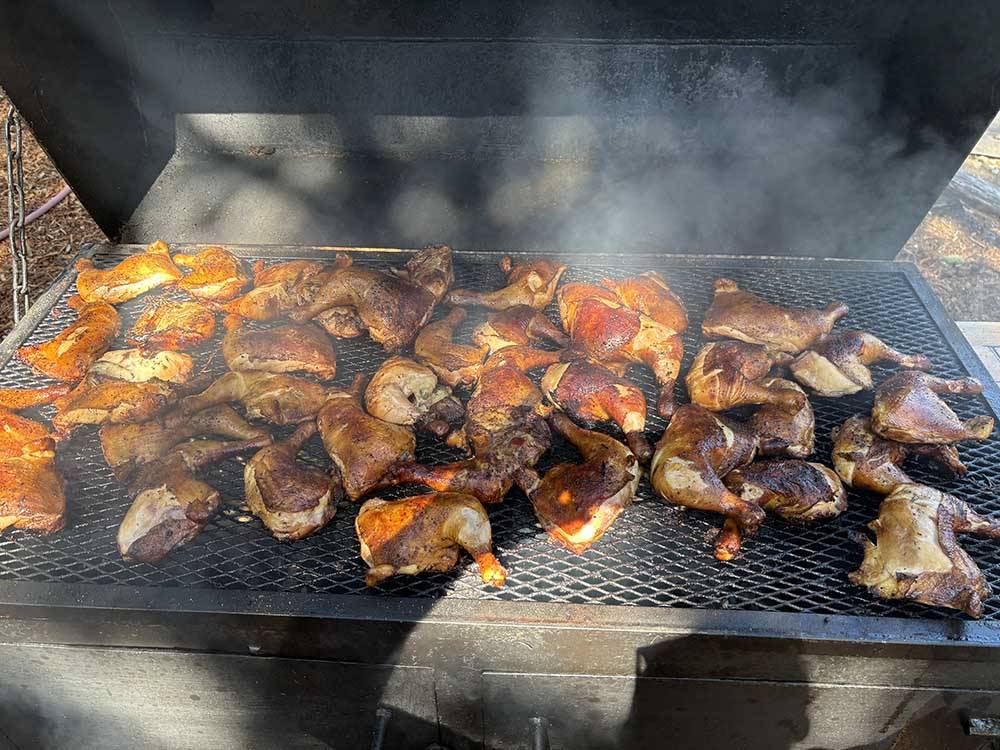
pixel 135 275
pixel 516 326
pixel 425 533
pixel 592 394
pixel 727 374
pixel 837 364
pixel 31 488
pixel 283 349
pixel 784 430
pixel 137 367
pixel 799 491
pixel 907 409
pixel 173 326
pixel 454 363
pixel 275 398
pixel 215 274
pixel 292 500
pixel 68 356
pixel 577 503
pixel 697 450
pixel 404 392
pixel 737 314
pixel 531 283
pixel 916 554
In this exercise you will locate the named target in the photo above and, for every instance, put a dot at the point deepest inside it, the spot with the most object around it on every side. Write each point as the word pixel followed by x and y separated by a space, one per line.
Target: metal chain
pixel 15 211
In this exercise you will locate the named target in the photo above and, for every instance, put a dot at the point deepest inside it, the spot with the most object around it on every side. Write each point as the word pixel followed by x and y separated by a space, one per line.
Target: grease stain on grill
pixel 654 556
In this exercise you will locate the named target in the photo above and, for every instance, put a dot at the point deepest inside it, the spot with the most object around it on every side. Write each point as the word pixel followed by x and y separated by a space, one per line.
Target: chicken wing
pixel 799 491
pixel 577 503
pixel 916 554
pixel 136 366
pixel 98 401
pixel 454 363
pixel 518 325
pixel 283 349
pixel 278 399
pixel 737 314
pixel 68 356
pixel 908 410
pixel 135 275
pixel 530 283
pixel 404 392
pixel 173 326
pixel 292 500
pixel 425 533
pixel 784 430
pixel 31 488
pixel 215 274
pixel 837 364
pixel 727 374
pixel 592 394
pixel 695 452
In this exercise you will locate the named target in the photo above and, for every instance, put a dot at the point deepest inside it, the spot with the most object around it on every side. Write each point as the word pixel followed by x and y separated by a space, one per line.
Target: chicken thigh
pixel 454 363
pixel 173 326
pixel 649 294
pixel 215 274
pixel 727 374
pixel 514 326
pixel 784 430
pixel 404 392
pixel 799 491
pixel 98 401
pixel 135 275
pixel 137 367
pixel 31 488
pixel 283 349
pixel 908 410
pixel 275 398
pixel 68 356
pixel 531 283
pixel 273 293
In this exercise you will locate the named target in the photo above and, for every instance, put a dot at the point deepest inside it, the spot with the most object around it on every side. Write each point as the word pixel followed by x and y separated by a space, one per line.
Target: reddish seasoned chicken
pixel 798 491
pixel 531 283
pixel 283 349
pixel 916 554
pixel 837 364
pixel 275 398
pixel 15 399
pixel 404 392
pixel 425 533
pixel 727 374
pixel 173 326
pixel 784 430
pixel 31 488
pixel 907 409
pixel 99 401
pixel 737 314
pixel 517 326
pixel 649 294
pixel 135 275
pixel 137 366
pixel 454 363
pixel 68 356
pixel 215 274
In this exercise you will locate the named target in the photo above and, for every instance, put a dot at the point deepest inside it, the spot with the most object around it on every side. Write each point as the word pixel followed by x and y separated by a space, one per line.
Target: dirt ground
pixel 957 247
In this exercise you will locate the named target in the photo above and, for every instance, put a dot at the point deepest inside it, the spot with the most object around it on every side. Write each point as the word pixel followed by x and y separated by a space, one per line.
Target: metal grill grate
pixel 655 555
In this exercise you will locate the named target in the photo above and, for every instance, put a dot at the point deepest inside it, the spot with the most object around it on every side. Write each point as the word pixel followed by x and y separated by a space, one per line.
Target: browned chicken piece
pixel 867 462
pixel 68 356
pixel 273 292
pixel 393 307
pixel 31 488
pixel 292 500
pixel 126 447
pixel 916 555
pixel 135 275
pixel 404 392
pixel 170 505
pixel 784 430
pixel 362 447
pixel 99 401
pixel 173 326
pixel 16 399
pixel 592 395
pixel 137 367
pixel 736 314
pixel 908 410
pixel 454 363
pixel 341 322
pixel 618 336
pixel 577 503
pixel 516 326
pixel 425 533
pixel 649 294
pixel 799 491
pixel 283 349
pixel 215 274
pixel 697 450
pixel 278 399
pixel 837 364
pixel 726 374
pixel 530 283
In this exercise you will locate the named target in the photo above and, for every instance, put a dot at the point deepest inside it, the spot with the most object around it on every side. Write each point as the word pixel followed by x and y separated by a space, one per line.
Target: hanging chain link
pixel 15 211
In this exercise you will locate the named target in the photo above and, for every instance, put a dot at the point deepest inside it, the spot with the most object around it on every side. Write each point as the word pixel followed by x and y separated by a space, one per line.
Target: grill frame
pixel 879 629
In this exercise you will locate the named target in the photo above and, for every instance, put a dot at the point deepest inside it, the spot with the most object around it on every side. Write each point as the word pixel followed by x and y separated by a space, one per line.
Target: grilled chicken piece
pixel 278 399
pixel 215 274
pixel 454 363
pixel 649 294
pixel 392 307
pixel 404 392
pixel 173 326
pixel 31 488
pixel 292 500
pixel 592 394
pixel 68 356
pixel 727 374
pixel 697 450
pixel 170 505
pixel 799 491
pixel 616 336
pixel 867 462
pixel 283 349
pixel 784 430
pixel 135 275
pixel 425 533
pixel 341 322
pixel 837 364
pixel 126 447
pixel 137 367
pixel 363 448
pixel 908 410
pixel 98 401
pixel 15 399
pixel 531 283
pixel 577 503
pixel 737 314
pixel 516 326
pixel 273 288
pixel 916 554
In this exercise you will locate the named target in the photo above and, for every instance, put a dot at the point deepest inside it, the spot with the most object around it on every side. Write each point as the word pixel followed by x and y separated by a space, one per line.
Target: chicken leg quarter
pixel 908 410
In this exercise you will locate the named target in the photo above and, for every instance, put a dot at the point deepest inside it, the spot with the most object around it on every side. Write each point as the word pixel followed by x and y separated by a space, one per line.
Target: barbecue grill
pixel 601 135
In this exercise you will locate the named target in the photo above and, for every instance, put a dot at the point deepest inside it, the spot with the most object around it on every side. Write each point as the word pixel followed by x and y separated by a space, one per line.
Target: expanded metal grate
pixel 655 555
